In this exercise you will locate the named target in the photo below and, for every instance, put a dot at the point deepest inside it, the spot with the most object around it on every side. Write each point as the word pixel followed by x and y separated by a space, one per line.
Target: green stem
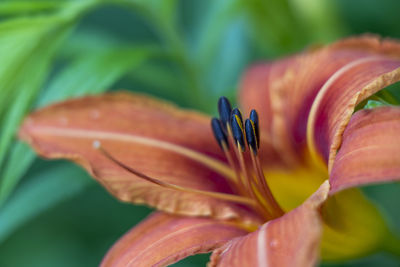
pixel 176 46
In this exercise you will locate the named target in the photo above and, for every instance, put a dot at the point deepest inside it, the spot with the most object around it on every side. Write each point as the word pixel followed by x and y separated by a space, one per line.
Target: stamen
pixel 273 206
pixel 222 196
pixel 259 192
pixel 222 140
pixel 219 133
pixel 251 183
pixel 251 136
pixel 224 109
pixel 254 118
pixel 237 112
pixel 238 136
pixel 237 129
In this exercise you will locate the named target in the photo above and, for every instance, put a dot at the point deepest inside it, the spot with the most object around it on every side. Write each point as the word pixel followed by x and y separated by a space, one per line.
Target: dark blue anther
pixel 237 130
pixel 224 109
pixel 219 133
pixel 254 119
pixel 251 135
pixel 237 112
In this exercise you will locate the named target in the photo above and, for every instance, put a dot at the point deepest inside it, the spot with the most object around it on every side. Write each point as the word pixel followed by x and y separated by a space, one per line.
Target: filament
pixel 216 195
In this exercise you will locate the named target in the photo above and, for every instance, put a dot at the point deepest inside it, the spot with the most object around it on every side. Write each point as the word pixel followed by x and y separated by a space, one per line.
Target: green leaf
pixel 166 83
pixel 161 11
pixel 45 189
pixel 23 39
pixel 390 94
pixel 317 16
pixel 210 32
pixel 162 16
pixel 26 85
pixel 95 72
pixel 225 70
pixel 38 39
pixel 88 40
pixel 20 159
pixel 9 8
pixel 274 26
pixel 27 48
pixel 20 41
pixel 374 104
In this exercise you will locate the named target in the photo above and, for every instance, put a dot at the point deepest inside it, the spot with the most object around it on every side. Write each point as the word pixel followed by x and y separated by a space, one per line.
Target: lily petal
pixel 291 240
pixel 368 154
pixel 370 149
pixel 163 239
pixel 300 89
pixel 347 87
pixel 290 89
pixel 259 91
pixel 339 96
pixel 152 137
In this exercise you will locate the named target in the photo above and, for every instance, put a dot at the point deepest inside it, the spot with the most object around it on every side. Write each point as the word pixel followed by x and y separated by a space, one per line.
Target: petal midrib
pixel 212 163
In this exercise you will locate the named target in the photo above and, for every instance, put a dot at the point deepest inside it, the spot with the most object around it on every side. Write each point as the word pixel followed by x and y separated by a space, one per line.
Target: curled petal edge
pixel 369 152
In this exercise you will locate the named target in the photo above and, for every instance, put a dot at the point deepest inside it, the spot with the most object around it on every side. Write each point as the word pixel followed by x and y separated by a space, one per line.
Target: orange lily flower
pixel 287 198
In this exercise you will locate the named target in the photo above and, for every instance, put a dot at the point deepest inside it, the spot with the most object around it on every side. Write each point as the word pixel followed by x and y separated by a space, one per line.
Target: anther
pixel 224 109
pixel 237 130
pixel 254 119
pixel 219 133
pixel 237 112
pixel 251 136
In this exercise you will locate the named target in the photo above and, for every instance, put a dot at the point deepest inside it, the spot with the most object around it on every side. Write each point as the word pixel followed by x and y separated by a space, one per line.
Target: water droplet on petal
pixel 96 144
pixel 94 114
pixel 274 243
pixel 63 121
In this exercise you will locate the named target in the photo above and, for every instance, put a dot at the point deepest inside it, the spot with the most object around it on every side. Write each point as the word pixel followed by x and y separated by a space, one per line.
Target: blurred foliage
pixel 189 52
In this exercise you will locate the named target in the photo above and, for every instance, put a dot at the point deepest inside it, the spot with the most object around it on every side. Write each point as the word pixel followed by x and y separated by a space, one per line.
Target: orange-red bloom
pixel 313 151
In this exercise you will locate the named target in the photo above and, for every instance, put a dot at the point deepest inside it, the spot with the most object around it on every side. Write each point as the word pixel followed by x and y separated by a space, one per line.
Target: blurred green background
pixel 189 52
